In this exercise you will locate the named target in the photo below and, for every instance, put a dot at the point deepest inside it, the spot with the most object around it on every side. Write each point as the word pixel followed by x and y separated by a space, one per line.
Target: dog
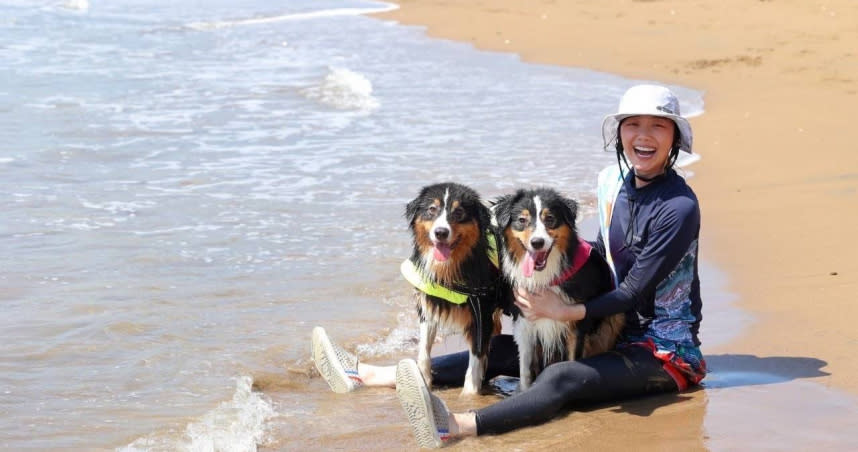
pixel 454 269
pixel 541 250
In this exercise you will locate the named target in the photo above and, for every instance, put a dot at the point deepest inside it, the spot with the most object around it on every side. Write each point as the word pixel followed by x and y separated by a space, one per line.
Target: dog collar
pixel 581 256
pixel 417 279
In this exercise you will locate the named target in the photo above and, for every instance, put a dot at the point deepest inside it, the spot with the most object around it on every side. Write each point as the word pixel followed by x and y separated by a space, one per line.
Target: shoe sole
pixel 328 365
pixel 416 401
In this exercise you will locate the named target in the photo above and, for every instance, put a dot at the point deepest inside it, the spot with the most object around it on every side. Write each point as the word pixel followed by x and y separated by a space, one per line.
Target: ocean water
pixel 188 187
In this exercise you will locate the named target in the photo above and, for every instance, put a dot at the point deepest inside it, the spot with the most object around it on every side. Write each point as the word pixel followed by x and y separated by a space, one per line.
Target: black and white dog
pixel 541 250
pixel 453 267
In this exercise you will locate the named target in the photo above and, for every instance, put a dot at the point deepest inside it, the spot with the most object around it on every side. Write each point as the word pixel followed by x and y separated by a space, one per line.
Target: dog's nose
pixel 442 233
pixel 537 243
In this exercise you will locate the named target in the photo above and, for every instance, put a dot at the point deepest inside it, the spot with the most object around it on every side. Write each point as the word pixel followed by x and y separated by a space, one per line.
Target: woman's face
pixel 646 143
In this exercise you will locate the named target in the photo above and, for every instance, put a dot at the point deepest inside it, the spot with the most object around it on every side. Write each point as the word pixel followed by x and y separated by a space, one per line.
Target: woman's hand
pixel 547 304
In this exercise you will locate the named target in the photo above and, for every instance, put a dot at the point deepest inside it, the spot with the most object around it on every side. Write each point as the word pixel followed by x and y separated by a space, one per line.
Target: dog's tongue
pixel 441 252
pixel 528 265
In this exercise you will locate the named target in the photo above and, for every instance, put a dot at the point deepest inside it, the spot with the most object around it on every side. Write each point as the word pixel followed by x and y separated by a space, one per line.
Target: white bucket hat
pixel 650 100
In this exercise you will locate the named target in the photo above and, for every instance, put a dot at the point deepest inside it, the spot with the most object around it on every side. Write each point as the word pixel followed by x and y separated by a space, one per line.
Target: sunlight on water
pixel 190 187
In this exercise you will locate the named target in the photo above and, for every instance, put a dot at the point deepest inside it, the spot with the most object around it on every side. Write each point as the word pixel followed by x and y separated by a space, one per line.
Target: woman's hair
pixel 674 147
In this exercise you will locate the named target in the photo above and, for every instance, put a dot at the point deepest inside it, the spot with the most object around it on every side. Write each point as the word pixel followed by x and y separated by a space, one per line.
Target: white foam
pixel 116 207
pixel 343 89
pixel 237 425
pixel 291 17
pixel 78 5
pixel 399 339
pixel 166 231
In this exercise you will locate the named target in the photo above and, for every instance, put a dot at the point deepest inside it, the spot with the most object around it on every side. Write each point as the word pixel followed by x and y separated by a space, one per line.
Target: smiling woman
pixel 649 132
pixel 647 142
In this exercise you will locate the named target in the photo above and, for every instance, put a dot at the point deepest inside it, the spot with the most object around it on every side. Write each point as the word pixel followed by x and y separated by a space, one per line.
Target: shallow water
pixel 190 188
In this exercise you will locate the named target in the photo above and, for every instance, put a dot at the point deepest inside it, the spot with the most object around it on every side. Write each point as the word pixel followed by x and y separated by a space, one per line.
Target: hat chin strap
pixel 668 165
pixel 629 167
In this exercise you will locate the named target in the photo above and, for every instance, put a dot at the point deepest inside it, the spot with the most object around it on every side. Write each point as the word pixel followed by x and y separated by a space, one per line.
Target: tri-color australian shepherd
pixel 541 250
pixel 454 270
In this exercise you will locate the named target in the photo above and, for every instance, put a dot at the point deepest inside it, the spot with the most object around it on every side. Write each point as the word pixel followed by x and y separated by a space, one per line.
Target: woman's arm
pixel 673 231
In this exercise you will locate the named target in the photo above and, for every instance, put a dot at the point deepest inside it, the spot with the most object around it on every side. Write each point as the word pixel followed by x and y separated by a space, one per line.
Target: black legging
pixel 619 374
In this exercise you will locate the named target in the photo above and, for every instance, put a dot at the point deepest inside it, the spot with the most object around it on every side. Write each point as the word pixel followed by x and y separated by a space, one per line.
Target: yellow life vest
pixel 417 279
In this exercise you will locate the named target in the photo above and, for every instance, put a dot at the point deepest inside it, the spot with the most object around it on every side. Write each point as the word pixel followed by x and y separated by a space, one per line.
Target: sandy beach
pixel 777 181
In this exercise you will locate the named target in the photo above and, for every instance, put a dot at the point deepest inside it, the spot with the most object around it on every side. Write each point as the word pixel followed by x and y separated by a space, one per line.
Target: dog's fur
pixel 538 230
pixel 449 226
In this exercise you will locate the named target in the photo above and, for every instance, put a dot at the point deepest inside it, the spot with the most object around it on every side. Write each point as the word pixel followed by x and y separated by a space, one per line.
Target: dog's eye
pixel 431 211
pixel 521 221
pixel 550 221
pixel 457 214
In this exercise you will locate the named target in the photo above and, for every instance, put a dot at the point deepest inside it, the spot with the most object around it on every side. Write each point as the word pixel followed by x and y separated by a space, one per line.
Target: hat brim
pixel 612 122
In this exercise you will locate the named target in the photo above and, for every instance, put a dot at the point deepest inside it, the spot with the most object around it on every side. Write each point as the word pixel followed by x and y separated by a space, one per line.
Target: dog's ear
pixel 411 210
pixel 484 215
pixel 572 211
pixel 502 207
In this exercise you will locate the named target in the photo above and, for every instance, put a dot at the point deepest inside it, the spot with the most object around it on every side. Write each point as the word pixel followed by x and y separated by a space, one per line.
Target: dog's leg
pixel 575 341
pixel 428 330
pixel 524 340
pixel 475 374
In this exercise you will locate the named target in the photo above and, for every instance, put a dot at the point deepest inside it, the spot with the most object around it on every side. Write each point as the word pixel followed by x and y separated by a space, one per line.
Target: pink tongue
pixel 441 252
pixel 528 265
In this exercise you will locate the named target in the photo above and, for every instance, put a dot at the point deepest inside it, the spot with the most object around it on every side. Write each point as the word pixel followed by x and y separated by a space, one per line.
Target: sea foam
pixel 343 89
pixel 236 425
pixel 79 5
pixel 289 17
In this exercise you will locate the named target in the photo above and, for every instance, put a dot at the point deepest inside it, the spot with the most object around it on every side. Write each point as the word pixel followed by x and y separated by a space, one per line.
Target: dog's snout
pixel 442 233
pixel 537 243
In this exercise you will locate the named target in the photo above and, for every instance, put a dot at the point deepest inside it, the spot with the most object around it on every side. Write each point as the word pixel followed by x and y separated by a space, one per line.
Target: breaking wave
pixel 236 425
pixel 343 89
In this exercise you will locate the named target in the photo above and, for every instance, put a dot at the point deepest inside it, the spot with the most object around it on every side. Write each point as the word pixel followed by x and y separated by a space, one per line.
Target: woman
pixel 650 223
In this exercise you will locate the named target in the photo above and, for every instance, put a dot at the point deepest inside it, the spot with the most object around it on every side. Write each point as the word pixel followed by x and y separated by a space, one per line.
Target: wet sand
pixel 778 187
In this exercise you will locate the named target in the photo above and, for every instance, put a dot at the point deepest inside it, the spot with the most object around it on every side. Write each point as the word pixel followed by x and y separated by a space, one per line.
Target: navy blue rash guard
pixel 653 238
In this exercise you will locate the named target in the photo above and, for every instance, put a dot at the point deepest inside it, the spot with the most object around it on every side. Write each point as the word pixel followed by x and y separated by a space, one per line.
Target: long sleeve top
pixel 653 236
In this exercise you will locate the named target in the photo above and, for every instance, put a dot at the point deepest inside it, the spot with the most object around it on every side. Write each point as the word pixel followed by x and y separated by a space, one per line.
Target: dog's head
pixel 538 230
pixel 447 224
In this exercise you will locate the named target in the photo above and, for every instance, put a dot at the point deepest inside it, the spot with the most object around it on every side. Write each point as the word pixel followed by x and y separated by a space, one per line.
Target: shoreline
pixel 775 91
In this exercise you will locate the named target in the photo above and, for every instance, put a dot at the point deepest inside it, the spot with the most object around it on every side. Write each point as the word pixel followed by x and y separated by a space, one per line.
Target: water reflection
pixel 772 403
pixel 730 370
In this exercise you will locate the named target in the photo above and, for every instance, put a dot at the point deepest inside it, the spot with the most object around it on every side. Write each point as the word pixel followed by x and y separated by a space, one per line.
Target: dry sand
pixel 778 185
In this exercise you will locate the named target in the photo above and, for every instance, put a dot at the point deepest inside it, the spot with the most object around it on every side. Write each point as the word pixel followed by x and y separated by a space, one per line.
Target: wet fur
pixel 468 269
pixel 546 341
